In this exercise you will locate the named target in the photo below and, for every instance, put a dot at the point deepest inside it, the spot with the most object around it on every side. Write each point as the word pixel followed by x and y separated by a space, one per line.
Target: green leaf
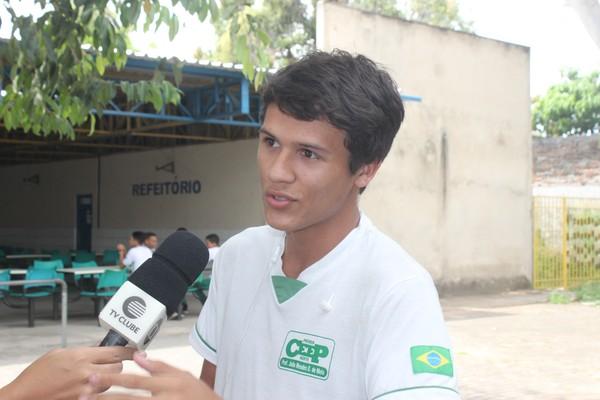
pixel 101 64
pixel 173 27
pixel 262 35
pixel 214 10
pixel 177 72
pixel 241 49
pixel 203 12
pixel 155 95
pixel 92 124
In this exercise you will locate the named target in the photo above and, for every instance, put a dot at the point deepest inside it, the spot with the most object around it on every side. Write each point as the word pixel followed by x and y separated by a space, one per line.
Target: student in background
pixel 212 242
pixel 151 241
pixel 138 253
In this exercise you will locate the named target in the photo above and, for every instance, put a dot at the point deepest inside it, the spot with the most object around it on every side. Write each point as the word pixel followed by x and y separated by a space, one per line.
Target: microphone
pixel 153 292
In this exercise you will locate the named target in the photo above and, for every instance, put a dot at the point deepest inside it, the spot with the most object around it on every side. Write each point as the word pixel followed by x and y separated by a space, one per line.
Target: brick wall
pixel 571 160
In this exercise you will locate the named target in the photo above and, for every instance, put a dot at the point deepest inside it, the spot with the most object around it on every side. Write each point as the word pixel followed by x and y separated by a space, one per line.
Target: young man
pixel 319 304
pixel 212 243
pixel 138 253
pixel 151 241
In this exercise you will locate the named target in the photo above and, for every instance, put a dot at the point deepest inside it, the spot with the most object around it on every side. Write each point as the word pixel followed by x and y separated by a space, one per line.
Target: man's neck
pixel 304 248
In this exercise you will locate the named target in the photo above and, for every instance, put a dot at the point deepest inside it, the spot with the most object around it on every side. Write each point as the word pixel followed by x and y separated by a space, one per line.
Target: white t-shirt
pixel 136 256
pixel 364 322
pixel 212 252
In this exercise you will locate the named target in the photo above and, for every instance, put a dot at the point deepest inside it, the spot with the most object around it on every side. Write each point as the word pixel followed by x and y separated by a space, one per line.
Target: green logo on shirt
pixel 431 359
pixel 307 354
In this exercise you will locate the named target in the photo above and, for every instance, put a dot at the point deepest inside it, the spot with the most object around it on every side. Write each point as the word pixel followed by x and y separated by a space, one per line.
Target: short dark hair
pixel 213 238
pixel 181 228
pixel 148 234
pixel 138 236
pixel 350 92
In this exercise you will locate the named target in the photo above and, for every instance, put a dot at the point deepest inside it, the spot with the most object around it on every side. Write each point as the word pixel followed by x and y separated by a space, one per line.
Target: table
pixel 88 270
pixel 26 256
pixel 18 271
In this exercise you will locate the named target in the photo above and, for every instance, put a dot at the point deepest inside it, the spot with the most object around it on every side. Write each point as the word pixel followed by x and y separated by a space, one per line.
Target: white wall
pixel 455 190
pixel 43 215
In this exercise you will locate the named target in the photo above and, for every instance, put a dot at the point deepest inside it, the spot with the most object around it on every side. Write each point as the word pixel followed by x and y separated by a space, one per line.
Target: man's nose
pixel 281 169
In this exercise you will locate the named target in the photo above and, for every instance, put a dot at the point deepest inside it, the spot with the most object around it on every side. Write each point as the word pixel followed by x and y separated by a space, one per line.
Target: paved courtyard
pixel 508 346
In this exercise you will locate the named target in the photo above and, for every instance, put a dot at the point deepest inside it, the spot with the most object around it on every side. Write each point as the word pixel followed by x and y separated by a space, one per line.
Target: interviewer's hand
pixel 62 374
pixel 165 383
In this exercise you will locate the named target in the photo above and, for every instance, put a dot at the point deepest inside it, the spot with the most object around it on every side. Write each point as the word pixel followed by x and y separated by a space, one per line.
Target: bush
pixel 560 297
pixel 589 292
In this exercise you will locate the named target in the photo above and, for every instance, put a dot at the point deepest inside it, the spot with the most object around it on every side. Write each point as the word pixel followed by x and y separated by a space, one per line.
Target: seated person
pixel 138 253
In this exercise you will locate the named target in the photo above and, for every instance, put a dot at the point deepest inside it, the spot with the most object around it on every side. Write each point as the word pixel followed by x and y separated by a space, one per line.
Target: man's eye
pixel 270 142
pixel 309 154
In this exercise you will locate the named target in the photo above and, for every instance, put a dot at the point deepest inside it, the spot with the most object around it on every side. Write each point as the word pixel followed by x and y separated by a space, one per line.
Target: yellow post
pixel 564 242
pixel 535 246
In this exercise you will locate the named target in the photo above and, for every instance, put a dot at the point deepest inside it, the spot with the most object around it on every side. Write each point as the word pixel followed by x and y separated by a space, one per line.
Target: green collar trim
pixel 285 288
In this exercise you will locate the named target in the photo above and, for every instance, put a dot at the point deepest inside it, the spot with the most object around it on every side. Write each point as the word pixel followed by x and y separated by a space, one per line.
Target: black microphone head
pixel 175 265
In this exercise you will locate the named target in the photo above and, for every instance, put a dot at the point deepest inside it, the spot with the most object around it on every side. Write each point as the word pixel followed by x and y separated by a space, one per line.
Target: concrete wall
pixel 455 190
pixel 43 215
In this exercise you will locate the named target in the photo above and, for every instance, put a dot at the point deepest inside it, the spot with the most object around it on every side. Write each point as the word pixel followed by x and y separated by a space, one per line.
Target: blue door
pixel 84 222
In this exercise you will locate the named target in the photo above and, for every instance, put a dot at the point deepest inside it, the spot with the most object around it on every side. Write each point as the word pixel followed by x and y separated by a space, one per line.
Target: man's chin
pixel 279 223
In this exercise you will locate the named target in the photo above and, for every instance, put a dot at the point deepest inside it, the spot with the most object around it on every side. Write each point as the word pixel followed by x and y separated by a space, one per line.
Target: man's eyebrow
pixel 266 132
pixel 299 144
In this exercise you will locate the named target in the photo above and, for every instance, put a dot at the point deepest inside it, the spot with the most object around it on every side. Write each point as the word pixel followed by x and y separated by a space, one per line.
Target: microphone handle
pixel 113 338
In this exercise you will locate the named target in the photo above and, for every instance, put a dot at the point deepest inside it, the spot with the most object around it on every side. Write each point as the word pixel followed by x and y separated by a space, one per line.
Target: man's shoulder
pixel 140 250
pixel 388 260
pixel 254 234
pixel 253 240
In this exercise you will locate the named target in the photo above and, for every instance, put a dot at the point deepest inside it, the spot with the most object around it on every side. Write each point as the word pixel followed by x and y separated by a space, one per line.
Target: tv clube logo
pixel 307 354
pixel 134 307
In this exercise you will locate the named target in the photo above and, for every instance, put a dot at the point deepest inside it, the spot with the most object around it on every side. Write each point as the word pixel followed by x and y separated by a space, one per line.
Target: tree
pixel 56 62
pixel 571 107
pixel 443 13
pixel 289 25
pixel 383 7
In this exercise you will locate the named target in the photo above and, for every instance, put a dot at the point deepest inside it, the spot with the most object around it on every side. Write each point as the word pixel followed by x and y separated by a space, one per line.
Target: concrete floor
pixel 507 346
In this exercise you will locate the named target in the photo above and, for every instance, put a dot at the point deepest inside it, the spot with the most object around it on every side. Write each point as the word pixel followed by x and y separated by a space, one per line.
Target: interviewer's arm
pixel 61 374
pixel 209 371
pixel 165 383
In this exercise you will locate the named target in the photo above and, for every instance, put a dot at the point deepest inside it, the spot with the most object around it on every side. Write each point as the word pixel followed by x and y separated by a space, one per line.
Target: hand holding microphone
pixel 133 316
pixel 153 292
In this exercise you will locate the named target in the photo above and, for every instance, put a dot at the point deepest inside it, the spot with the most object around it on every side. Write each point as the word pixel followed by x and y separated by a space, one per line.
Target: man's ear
pixel 366 173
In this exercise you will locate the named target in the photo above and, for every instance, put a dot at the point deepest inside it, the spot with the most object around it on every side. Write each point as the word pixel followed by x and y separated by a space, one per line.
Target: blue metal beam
pixel 196 70
pixel 408 97
pixel 178 118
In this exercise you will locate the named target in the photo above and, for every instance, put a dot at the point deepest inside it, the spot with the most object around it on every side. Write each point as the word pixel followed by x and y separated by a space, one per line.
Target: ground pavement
pixel 507 346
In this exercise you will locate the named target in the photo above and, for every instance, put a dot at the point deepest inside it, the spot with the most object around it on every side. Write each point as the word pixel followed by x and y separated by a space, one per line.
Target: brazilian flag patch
pixel 431 360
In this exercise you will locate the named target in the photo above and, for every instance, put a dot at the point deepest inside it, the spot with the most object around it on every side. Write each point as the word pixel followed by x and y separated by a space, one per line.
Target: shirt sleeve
pixel 203 336
pixel 408 348
pixel 129 258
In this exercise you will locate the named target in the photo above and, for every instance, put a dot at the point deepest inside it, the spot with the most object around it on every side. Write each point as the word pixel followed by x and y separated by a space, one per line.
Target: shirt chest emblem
pixel 307 354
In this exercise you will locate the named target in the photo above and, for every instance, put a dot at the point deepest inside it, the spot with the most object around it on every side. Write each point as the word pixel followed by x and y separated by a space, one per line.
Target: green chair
pixel 84 255
pixel 110 257
pixel 4 277
pixel 33 291
pixel 109 282
pixel 50 265
pixel 63 256
pixel 199 289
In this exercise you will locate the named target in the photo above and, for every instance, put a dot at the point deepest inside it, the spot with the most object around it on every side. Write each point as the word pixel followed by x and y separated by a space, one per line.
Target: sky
pixel 551 29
